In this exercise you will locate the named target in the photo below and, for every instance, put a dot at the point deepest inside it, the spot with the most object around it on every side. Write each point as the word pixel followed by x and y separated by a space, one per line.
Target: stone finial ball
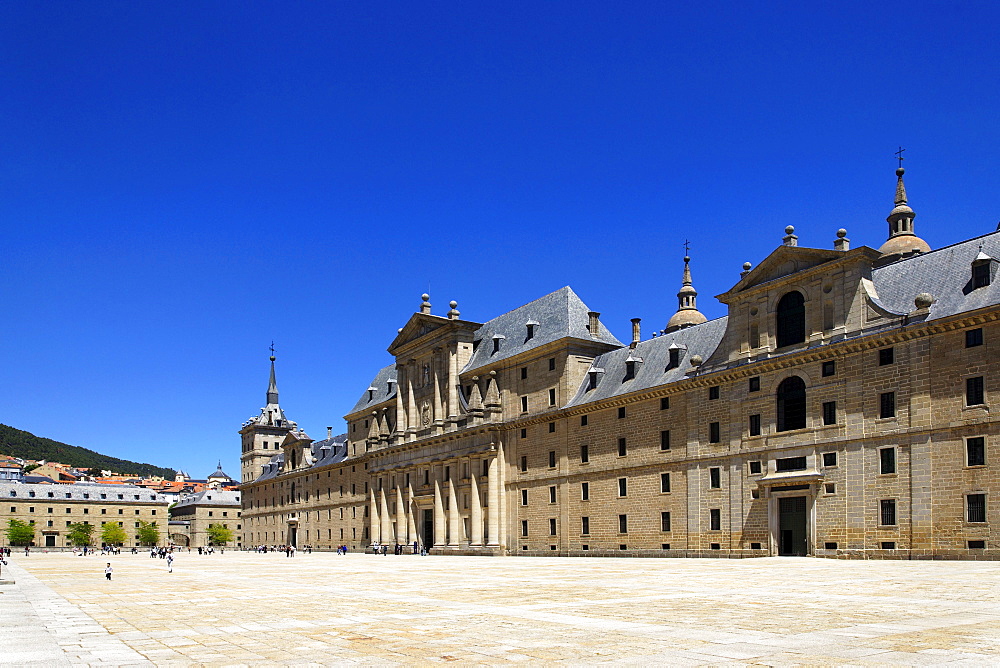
pixel 842 233
pixel 475 379
pixel 746 266
pixel 789 229
pixel 900 171
pixel 399 331
pixel 493 374
pixel 273 358
pixel 923 300
pixel 425 296
pixel 696 360
pixel 687 259
pixel 453 304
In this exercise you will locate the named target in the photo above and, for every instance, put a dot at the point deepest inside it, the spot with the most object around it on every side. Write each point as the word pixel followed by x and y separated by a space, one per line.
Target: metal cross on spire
pixel 899 155
pixel 272 347
pixel 687 247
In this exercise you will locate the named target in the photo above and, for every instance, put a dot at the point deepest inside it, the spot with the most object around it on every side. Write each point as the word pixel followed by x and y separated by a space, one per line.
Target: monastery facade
pixel 842 408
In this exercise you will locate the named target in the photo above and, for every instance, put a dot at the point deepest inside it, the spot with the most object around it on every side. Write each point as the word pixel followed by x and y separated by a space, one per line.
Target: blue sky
pixel 184 182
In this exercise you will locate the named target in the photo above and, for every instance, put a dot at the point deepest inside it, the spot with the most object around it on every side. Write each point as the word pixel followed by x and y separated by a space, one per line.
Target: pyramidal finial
pixel 900 188
pixel 687 300
pixel 272 386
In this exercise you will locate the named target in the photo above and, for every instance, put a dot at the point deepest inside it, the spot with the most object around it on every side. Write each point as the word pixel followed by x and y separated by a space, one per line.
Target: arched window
pixel 791 404
pixel 791 319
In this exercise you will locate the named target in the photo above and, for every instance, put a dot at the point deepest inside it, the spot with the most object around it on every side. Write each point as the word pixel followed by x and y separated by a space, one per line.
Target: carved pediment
pixel 785 261
pixel 419 325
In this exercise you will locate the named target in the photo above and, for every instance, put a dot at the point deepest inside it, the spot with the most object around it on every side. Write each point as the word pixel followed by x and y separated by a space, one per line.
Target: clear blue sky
pixel 184 182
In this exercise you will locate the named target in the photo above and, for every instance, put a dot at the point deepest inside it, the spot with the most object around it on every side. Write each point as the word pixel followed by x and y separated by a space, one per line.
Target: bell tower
pixel 263 434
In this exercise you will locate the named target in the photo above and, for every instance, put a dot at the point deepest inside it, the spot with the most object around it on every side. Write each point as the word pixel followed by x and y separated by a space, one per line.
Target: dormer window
pixel 371 394
pixel 675 357
pixel 389 383
pixel 630 367
pixel 595 378
pixel 496 342
pixel 530 334
pixel 982 270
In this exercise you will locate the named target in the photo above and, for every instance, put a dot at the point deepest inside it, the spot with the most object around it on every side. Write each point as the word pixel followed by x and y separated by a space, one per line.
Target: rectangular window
pixel 584 454
pixel 524 373
pixel 829 412
pixel 664 403
pixel 887 460
pixel 829 368
pixel 623 524
pixel 622 486
pixel 583 420
pixel 552 459
pixel 524 528
pixel 887 514
pixel 975 451
pixel 585 491
pixel 552 494
pixel 524 464
pixel 585 525
pixel 755 468
pixel 622 447
pixel 664 521
pixel 714 478
pixel 552 427
pixel 886 356
pixel 552 364
pixel 755 425
pixel 524 497
pixel 829 459
pixel 621 412
pixel 790 464
pixel 980 275
pixel 974 337
pixel 715 519
pixel 524 433
pixel 714 435
pixel 887 405
pixel 664 483
pixel 713 392
pixel 755 384
pixel 665 439
pixel 552 397
pixel 974 395
pixel 552 526
pixel 524 404
pixel 976 507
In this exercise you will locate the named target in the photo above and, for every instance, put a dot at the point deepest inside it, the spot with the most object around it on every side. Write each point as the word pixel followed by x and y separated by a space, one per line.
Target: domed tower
pixel 263 434
pixel 902 241
pixel 687 303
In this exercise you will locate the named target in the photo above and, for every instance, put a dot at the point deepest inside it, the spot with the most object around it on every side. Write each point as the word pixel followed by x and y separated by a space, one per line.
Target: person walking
pixel 108 571
pixel 170 563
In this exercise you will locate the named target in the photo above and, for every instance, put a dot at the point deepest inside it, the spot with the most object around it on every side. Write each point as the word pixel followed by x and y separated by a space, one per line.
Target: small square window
pixel 886 356
pixel 887 460
pixel 977 544
pixel 552 459
pixel 975 451
pixel 830 546
pixel 622 486
pixel 790 464
pixel 754 546
pixel 831 488
pixel 755 384
pixel 755 468
pixel 829 459
pixel 714 435
pixel 888 545
pixel 713 393
pixel 621 412
pixel 887 405
pixel 664 403
pixel 829 368
pixel 973 337
pixel 754 425
pixel 622 447
pixel 583 420
pixel 714 478
pixel 664 483
pixel 665 439
pixel 584 454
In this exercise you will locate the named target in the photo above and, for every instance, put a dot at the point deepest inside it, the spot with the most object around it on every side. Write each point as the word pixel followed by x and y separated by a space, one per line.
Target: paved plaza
pixel 241 608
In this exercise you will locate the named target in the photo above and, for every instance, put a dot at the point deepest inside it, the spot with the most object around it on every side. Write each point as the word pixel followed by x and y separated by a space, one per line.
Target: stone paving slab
pixel 321 609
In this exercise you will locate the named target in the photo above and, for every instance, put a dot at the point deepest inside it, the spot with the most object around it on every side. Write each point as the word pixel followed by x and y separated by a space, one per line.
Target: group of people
pixel 399 548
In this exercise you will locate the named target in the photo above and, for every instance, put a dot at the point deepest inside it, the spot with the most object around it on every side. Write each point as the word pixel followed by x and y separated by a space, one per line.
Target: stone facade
pixel 194 513
pixel 842 408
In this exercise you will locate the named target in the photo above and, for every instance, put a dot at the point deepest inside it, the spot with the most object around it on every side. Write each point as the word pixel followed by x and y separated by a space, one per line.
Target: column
pixel 436 369
pixel 475 513
pixel 411 520
pixel 453 403
pixel 502 493
pixel 493 499
pixel 412 415
pixel 400 408
pixel 440 530
pixel 402 533
pixel 373 521
pixel 454 517
pixel 386 523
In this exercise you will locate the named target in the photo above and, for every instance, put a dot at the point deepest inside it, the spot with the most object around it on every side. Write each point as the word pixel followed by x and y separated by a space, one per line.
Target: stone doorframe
pixel 809 490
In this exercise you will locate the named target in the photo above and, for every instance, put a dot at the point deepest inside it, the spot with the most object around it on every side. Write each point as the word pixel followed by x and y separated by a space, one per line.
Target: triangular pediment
pixel 785 261
pixel 419 325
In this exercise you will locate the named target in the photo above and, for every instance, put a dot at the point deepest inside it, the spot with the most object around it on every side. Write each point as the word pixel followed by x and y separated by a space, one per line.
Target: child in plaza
pixel 108 571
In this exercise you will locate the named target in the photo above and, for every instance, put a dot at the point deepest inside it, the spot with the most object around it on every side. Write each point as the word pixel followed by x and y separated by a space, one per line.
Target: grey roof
pixel 558 315
pixel 652 370
pixel 81 491
pixel 381 386
pixel 945 273
pixel 327 451
pixel 210 497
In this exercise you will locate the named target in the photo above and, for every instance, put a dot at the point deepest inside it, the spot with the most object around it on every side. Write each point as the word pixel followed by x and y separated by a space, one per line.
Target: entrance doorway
pixel 428 531
pixel 50 541
pixel 293 537
pixel 792 526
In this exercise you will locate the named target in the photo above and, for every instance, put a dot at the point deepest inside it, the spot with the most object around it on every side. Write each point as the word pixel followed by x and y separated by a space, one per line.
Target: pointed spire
pixel 687 302
pixel 272 386
pixel 902 241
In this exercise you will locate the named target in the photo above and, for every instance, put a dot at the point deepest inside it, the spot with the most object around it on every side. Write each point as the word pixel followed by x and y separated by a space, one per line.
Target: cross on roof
pixel 687 247
pixel 272 347
pixel 899 155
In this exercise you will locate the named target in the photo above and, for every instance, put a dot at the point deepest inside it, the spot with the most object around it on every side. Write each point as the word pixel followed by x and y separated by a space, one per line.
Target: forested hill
pixel 23 444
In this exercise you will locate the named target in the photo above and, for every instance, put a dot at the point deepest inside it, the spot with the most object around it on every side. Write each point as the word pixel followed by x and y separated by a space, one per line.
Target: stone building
pixel 191 516
pixel 51 508
pixel 841 408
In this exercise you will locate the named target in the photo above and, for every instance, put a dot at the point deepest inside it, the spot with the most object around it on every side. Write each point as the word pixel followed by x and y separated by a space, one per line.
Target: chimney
pixel 595 324
pixel 842 243
pixel 635 332
pixel 329 432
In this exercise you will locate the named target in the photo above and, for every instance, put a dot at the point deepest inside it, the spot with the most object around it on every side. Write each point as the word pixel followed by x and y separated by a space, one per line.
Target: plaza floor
pixel 241 608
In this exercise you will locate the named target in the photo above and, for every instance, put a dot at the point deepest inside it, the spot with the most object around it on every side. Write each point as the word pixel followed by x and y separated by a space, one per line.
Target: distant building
pixel 194 513
pixel 10 469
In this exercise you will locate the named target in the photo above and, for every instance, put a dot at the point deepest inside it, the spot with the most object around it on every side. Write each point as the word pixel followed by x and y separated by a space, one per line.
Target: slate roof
pixel 327 451
pixel 655 354
pixel 945 273
pixel 558 315
pixel 210 497
pixel 381 385
pixel 78 492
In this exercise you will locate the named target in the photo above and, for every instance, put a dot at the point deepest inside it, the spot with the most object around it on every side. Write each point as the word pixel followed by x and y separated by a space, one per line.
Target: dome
pixel 904 245
pixel 685 318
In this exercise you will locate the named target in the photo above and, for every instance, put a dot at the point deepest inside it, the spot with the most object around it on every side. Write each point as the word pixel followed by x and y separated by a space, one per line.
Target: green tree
pixel 80 534
pixel 20 533
pixel 148 533
pixel 112 534
pixel 31 467
pixel 219 534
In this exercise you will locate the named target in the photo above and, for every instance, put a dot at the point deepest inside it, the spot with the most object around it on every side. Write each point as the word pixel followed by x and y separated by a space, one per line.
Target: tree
pixel 219 534
pixel 112 534
pixel 31 467
pixel 20 533
pixel 148 533
pixel 80 534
